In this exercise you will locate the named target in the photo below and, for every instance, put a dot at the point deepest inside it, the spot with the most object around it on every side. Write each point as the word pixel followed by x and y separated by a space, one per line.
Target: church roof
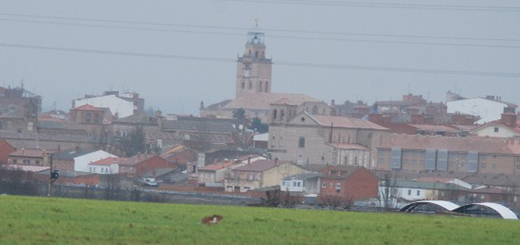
pixel 283 101
pixel 346 122
pixel 262 101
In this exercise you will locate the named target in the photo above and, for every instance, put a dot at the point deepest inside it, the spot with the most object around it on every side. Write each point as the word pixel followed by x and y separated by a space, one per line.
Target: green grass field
pixel 34 220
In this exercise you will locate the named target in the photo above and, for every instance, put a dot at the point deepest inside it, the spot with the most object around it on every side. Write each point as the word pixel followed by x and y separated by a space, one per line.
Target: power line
pixel 291 64
pixel 241 28
pixel 482 8
pixel 271 36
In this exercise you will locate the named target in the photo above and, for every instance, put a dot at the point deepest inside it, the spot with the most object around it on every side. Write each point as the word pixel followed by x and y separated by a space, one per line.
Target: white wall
pixel 117 105
pixel 103 169
pixel 488 110
pixel 81 163
pixel 291 185
pixel 503 132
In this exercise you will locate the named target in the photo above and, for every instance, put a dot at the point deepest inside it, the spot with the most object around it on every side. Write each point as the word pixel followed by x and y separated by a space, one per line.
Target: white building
pixel 107 165
pixel 307 183
pixel 119 107
pixel 488 109
pixel 81 162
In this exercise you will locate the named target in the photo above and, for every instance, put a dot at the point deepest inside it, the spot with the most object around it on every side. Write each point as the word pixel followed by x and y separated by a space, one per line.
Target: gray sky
pixel 482 45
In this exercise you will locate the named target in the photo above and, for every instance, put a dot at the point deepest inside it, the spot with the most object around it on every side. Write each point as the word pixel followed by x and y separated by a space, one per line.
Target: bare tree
pixel 387 192
pixel 113 187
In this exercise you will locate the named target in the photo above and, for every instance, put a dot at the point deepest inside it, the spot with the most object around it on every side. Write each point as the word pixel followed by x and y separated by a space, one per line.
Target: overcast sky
pixel 178 53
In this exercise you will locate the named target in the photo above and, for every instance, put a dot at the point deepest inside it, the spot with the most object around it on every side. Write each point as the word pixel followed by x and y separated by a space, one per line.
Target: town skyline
pixel 380 59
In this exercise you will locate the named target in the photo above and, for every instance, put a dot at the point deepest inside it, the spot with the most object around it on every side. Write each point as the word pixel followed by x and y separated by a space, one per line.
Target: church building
pixel 253 86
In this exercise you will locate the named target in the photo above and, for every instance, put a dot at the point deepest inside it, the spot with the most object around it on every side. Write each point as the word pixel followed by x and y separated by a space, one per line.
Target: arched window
pixel 266 86
pixel 243 85
pixel 249 53
pixel 260 87
pixel 274 114
pixel 282 114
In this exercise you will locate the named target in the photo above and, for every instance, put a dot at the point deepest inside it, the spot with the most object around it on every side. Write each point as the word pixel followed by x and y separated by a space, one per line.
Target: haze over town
pixel 391 106
pixel 179 53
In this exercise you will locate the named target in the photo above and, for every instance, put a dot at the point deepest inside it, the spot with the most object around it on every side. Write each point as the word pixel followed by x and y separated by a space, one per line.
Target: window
pixel 331 185
pixel 418 193
pixel 496 129
pixel 294 184
pixel 15 161
pixel 243 85
pixel 323 184
pixel 338 186
pixel 274 114
pixel 88 117
pixel 301 142
pixel 250 85
pixel 96 118
pixel 260 87
pixel 266 87
pixel 383 157
pixel 345 161
pixel 409 192
pixel 299 184
pixel 37 162
pixel 27 162
pixel 282 114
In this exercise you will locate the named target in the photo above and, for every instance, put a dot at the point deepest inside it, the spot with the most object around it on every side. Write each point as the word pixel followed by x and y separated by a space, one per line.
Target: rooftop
pixel 346 122
pixel 107 161
pixel 262 101
pixel 132 161
pixel 457 144
pixel 87 107
pixel 257 166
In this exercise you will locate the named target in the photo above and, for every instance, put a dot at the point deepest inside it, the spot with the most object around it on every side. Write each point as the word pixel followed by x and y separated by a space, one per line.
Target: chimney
pixel 509 117
pixel 375 118
pixel 248 160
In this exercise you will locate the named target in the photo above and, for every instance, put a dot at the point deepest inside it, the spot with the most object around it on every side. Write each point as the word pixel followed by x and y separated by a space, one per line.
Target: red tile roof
pixel 107 161
pixel 284 101
pixel 218 166
pixel 345 122
pixel 87 107
pixel 462 144
pixel 131 161
pixel 262 101
pixel 29 153
pixel 257 166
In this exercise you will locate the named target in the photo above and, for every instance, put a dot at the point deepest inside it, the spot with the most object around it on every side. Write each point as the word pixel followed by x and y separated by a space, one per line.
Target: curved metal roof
pixel 505 212
pixel 444 204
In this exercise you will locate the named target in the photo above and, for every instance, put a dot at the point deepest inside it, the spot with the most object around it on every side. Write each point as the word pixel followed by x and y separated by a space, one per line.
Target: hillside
pixel 36 220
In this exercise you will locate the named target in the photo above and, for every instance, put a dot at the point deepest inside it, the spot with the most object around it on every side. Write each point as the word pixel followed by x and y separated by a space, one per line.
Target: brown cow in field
pixel 208 220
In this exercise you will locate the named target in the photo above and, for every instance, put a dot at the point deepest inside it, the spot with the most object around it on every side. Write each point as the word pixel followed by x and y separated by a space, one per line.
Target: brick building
pixel 141 164
pixel 5 150
pixel 417 153
pixel 36 157
pixel 349 183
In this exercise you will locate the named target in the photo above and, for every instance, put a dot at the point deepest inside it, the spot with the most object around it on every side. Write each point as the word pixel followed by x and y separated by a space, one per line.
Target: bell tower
pixel 253 69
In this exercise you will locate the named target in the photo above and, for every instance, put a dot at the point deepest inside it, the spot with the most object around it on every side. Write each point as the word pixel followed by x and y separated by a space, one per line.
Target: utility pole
pixel 53 176
pixel 50 176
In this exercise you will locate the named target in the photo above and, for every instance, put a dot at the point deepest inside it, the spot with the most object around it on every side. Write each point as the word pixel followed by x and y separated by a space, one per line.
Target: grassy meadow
pixel 40 220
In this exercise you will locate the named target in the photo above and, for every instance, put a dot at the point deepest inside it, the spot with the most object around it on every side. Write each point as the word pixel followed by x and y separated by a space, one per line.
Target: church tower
pixel 253 69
